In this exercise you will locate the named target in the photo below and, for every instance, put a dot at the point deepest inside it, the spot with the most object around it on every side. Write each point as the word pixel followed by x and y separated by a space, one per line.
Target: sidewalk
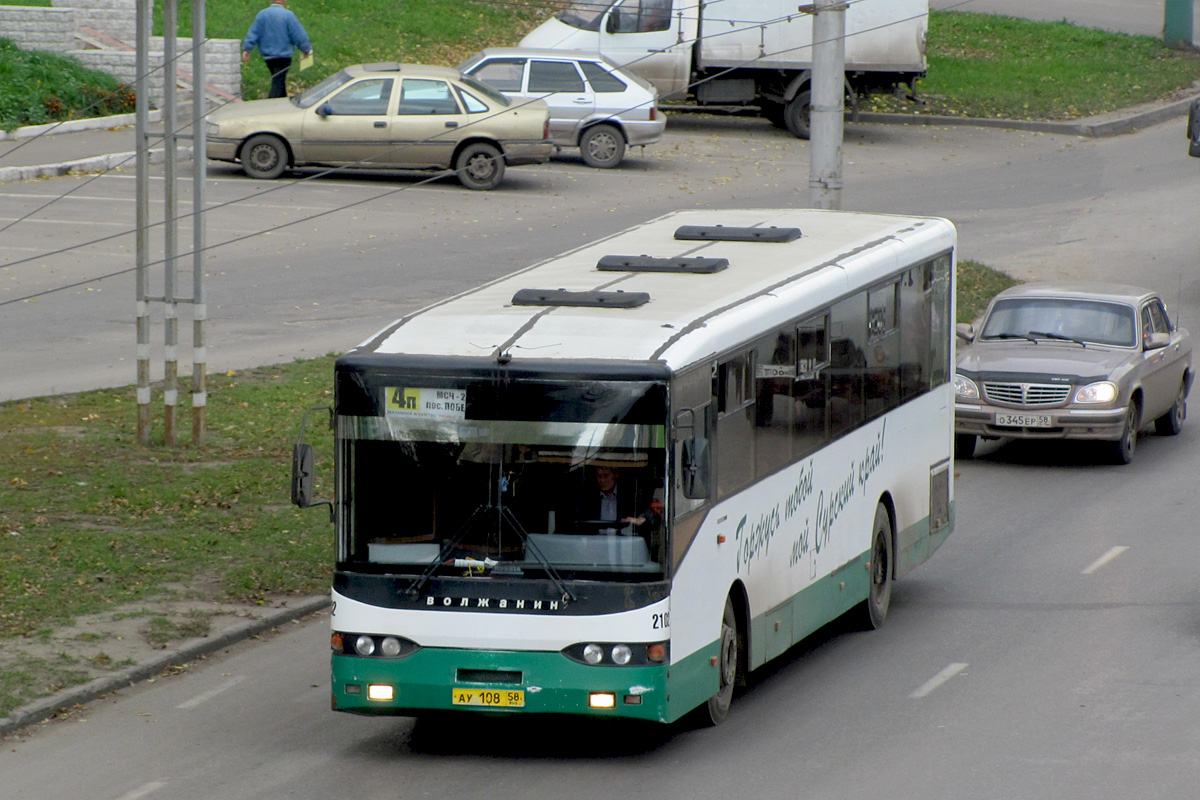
pixel 96 145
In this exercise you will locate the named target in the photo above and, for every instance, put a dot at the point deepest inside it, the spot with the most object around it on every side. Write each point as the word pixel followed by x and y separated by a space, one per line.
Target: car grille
pixel 1026 394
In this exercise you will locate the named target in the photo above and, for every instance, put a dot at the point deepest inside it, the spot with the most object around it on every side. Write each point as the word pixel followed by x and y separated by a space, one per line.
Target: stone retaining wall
pixel 117 18
pixel 30 28
pixel 53 30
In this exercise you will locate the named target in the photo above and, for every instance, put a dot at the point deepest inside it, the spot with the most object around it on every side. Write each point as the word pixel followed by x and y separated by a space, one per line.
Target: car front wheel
pixel 264 156
pixel 480 166
pixel 1123 448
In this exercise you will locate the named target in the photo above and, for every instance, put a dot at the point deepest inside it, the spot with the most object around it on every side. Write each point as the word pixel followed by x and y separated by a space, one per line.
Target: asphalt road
pixel 1032 657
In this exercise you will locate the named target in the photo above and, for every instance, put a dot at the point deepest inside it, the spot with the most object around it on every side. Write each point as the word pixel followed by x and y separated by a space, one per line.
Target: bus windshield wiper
pixel 1059 336
pixel 443 557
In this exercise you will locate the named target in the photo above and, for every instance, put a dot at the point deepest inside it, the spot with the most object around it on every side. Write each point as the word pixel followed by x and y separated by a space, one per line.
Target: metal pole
pixel 171 213
pixel 828 104
pixel 199 175
pixel 1177 23
pixel 142 117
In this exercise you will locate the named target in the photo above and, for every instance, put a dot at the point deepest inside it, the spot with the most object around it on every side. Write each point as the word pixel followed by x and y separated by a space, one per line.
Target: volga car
pixel 385 116
pixel 1071 361
pixel 594 105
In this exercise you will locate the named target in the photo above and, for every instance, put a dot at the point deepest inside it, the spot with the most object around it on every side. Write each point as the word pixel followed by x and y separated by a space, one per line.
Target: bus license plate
pixel 1023 420
pixel 505 698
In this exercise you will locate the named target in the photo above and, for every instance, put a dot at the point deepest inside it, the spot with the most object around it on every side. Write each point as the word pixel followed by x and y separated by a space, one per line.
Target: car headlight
pixel 965 388
pixel 212 129
pixel 1102 392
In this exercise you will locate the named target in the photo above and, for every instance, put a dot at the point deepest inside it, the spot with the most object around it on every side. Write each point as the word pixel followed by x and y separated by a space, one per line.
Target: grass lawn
pixel 982 65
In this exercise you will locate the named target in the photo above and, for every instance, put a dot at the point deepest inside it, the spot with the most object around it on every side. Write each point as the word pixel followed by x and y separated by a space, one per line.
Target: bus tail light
pixel 656 653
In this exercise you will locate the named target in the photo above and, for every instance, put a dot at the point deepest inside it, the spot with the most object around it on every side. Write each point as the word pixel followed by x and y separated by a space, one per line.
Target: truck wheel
pixel 773 113
pixel 796 114
pixel 602 146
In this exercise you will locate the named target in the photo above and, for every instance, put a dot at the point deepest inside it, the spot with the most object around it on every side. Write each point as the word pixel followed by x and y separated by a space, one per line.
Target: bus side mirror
pixel 695 468
pixel 302 475
pixel 302 467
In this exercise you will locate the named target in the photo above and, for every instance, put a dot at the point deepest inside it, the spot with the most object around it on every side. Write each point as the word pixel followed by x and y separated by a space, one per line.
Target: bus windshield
pixel 512 478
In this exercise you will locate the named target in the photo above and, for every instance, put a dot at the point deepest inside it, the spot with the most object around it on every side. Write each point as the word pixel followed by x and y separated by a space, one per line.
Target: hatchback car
pixel 393 116
pixel 1071 361
pixel 594 105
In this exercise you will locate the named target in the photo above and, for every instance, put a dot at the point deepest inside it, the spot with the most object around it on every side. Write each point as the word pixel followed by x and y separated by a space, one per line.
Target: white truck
pixel 743 52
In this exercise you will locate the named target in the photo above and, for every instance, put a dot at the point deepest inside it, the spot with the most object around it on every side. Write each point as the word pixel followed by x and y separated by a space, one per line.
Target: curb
pixel 47 707
pixel 84 165
pixel 1099 127
pixel 76 125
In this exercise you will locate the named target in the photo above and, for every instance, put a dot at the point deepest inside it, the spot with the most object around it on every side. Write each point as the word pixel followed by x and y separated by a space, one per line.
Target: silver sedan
pixel 1071 361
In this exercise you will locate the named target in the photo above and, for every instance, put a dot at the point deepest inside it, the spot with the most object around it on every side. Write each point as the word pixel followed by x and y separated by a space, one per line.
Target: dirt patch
pixel 50 660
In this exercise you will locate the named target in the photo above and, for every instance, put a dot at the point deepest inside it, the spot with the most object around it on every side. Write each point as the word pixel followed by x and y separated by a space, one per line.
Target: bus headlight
pixel 619 654
pixel 365 644
pixel 965 388
pixel 1102 392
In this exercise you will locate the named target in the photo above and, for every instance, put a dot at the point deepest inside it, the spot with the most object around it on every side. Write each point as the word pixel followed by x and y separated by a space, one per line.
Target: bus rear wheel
pixel 728 659
pixel 873 611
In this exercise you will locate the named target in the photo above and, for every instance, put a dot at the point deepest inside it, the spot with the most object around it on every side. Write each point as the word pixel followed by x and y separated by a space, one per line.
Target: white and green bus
pixel 769 391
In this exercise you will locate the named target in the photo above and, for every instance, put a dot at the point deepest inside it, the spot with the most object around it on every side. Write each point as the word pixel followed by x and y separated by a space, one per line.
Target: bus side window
pixel 882 380
pixel 734 395
pixel 941 325
pixel 915 326
pixel 848 363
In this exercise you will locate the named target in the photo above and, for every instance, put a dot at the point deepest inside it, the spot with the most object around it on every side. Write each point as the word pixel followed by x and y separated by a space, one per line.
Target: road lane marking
pixel 211 693
pixel 1112 553
pixel 937 680
pixel 143 790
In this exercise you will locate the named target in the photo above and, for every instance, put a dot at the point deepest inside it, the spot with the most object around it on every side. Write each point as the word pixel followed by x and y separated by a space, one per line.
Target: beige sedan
pixel 1071 361
pixel 386 116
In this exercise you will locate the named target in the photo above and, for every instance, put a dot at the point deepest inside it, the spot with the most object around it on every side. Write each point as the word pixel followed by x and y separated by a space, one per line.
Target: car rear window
pixel 601 79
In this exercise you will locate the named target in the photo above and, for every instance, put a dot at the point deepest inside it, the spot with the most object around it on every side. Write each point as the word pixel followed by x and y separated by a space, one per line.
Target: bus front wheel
pixel 728 657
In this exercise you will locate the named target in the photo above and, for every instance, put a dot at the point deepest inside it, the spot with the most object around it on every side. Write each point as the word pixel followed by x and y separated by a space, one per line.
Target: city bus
pixel 765 393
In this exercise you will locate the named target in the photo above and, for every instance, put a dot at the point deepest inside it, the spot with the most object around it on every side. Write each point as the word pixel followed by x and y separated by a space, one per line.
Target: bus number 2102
pixel 662 621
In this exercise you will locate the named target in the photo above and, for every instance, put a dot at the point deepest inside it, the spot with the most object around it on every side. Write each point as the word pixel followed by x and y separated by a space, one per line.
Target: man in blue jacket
pixel 276 31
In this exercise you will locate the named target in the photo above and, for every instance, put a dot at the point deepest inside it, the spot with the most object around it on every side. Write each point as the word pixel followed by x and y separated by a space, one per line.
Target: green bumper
pixel 550 683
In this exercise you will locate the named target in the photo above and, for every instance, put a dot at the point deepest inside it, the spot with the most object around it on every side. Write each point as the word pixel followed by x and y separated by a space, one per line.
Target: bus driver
pixel 610 502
